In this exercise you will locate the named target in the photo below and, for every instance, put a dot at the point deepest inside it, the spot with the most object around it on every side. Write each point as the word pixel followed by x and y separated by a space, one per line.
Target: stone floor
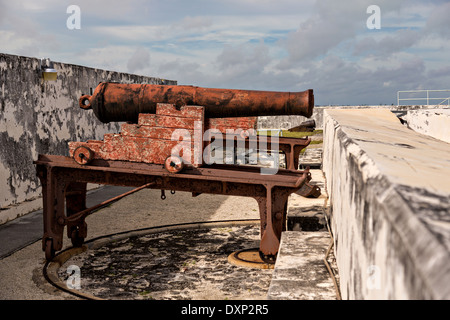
pixel 300 272
pixel 178 264
pixel 312 157
pixel 192 263
pixel 183 264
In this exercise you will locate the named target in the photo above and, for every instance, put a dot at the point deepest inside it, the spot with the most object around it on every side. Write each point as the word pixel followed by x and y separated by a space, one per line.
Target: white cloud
pixel 219 29
pixel 438 21
pixel 139 60
pixel 390 43
pixel 112 57
pixel 331 23
pixel 245 61
pixel 195 23
pixel 337 81
pixel 269 45
pixel 132 33
pixel 185 72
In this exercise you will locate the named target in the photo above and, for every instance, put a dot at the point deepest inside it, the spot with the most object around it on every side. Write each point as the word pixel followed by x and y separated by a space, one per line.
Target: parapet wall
pixel 41 117
pixel 287 122
pixel 389 206
pixel 435 123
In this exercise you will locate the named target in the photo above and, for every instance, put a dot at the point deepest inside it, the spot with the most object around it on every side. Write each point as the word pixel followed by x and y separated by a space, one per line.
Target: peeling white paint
pixel 5 174
pixel 42 117
pixel 8 122
pixel 435 123
pixel 389 198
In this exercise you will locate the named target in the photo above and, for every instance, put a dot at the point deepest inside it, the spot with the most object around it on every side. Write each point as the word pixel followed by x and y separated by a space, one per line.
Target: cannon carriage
pixel 165 143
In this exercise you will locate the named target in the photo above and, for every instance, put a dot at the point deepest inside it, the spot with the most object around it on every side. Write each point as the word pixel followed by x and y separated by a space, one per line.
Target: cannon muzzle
pixel 124 102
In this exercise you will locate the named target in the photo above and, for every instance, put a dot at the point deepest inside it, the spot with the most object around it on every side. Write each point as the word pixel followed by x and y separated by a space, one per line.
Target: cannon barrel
pixel 123 102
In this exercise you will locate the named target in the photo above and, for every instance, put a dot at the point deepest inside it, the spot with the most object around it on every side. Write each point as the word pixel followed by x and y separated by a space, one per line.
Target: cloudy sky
pixel 282 45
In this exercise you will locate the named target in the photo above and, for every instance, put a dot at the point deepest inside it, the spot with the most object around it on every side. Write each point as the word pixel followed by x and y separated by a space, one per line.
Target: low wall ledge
pixel 382 176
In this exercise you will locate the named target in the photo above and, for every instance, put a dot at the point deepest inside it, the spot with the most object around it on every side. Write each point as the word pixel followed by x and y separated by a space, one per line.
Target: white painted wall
pixel 389 198
pixel 41 118
pixel 434 123
pixel 287 122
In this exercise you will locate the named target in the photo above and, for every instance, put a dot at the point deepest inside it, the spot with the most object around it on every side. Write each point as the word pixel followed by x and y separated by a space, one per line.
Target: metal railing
pixel 428 98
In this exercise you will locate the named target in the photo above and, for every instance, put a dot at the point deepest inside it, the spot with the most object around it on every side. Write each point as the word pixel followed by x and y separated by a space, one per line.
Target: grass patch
pixel 288 134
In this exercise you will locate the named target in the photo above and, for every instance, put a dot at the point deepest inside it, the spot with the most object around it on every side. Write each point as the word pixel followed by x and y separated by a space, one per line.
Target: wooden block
pixel 222 124
pixel 175 122
pixel 155 137
pixel 138 149
pixel 147 119
pixel 153 132
pixel 160 150
pixel 113 147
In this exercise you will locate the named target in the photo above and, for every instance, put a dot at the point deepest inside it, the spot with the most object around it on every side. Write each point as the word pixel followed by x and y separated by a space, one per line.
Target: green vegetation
pixel 288 134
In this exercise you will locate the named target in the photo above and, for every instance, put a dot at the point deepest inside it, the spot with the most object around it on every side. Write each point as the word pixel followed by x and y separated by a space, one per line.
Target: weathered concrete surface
pixel 179 263
pixel 300 272
pixel 435 123
pixel 308 214
pixel 390 202
pixel 21 274
pixel 287 122
pixel 41 117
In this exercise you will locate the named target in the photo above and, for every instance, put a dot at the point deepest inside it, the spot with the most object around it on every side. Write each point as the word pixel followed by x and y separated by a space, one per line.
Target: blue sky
pixel 282 45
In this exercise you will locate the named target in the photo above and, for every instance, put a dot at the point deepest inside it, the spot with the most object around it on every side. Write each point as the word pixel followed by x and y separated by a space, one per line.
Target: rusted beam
pixel 62 177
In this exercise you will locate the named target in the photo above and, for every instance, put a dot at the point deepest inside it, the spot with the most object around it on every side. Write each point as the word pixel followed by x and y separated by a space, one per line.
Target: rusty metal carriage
pixel 142 154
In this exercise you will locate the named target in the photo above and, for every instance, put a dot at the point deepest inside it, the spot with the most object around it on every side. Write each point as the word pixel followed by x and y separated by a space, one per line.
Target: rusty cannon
pixel 166 143
pixel 124 102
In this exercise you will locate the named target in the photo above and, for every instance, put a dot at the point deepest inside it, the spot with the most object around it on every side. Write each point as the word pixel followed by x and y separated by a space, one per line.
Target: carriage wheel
pixel 83 155
pixel 173 164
